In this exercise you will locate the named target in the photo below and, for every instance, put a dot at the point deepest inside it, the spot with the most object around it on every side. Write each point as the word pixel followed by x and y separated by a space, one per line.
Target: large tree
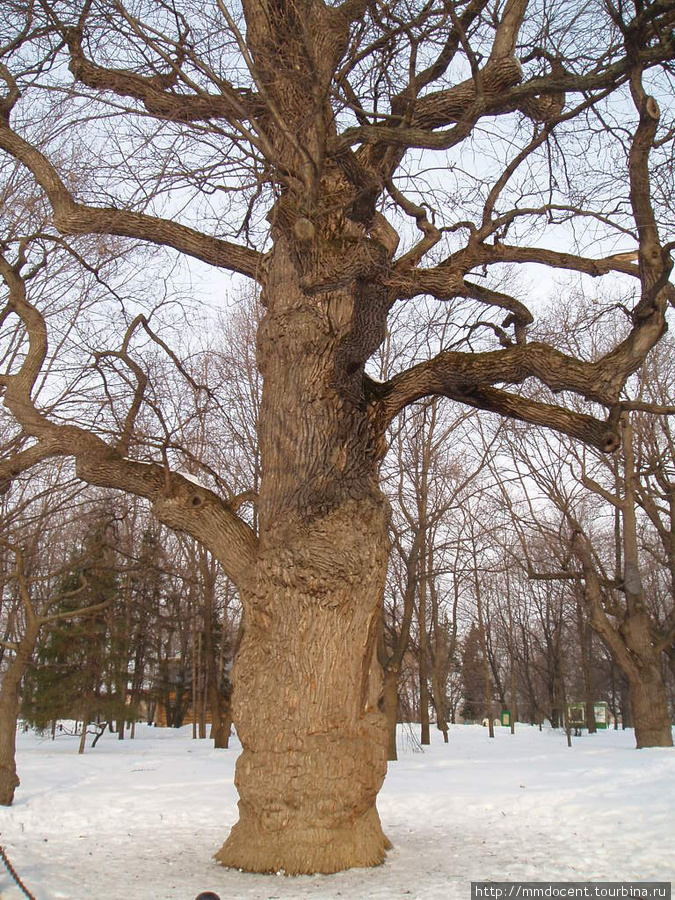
pixel 349 158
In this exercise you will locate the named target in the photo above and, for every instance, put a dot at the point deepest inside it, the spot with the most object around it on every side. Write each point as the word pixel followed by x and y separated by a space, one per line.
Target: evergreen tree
pixel 71 678
pixel 473 676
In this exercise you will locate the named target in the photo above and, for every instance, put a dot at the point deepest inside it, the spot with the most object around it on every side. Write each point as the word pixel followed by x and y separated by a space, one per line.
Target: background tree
pixel 32 607
pixel 76 664
pixel 473 677
pixel 424 483
pixel 583 542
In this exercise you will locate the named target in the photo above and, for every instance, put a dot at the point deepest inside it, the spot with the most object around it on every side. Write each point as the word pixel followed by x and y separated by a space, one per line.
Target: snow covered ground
pixel 141 819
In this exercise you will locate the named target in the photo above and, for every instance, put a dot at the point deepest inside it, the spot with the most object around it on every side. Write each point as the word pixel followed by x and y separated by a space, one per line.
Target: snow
pixel 141 819
pixel 192 479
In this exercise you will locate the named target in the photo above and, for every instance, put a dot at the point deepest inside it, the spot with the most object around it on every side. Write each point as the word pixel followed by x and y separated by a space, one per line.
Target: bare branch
pixel 71 217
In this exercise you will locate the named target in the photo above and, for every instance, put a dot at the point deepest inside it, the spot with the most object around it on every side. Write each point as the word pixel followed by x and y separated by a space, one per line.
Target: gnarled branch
pixel 71 217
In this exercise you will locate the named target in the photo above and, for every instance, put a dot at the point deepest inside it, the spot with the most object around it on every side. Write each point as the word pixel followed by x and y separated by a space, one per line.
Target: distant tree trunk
pixel 83 735
pixel 566 717
pixel 558 682
pixel 649 708
pixel 390 703
pixel 586 649
pixel 202 681
pixel 438 697
pixel 220 724
pixel 444 649
pixel 646 687
pixel 218 705
pixel 624 706
pixel 425 737
pixel 193 672
pixel 225 696
pixel 391 662
pixel 483 640
pixel 512 655
pixel 9 710
pixel 222 738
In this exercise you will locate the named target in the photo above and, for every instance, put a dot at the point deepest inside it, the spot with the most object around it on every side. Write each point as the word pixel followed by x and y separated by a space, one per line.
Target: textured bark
pixel 647 698
pixel 626 625
pixel 9 780
pixel 646 686
pixel 307 687
pixel 307 684
pixel 633 650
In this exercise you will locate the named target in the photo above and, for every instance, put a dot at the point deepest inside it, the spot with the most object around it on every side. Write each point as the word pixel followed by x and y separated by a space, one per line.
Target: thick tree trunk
pixel 640 663
pixel 221 735
pixel 307 683
pixel 632 642
pixel 307 687
pixel 646 687
pixel 647 698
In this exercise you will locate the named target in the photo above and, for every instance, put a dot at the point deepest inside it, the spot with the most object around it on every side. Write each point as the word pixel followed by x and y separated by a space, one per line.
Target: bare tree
pixel 607 563
pixel 627 627
pixel 319 120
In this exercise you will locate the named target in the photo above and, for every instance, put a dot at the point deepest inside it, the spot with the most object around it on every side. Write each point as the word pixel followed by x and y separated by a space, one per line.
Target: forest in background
pixel 485 601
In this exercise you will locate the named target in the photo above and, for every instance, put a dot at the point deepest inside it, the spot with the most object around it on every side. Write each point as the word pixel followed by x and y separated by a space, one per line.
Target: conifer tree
pixel 473 676
pixel 71 676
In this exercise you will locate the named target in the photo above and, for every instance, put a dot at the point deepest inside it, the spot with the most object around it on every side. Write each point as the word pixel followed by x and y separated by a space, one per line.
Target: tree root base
pixel 657 737
pixel 306 850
